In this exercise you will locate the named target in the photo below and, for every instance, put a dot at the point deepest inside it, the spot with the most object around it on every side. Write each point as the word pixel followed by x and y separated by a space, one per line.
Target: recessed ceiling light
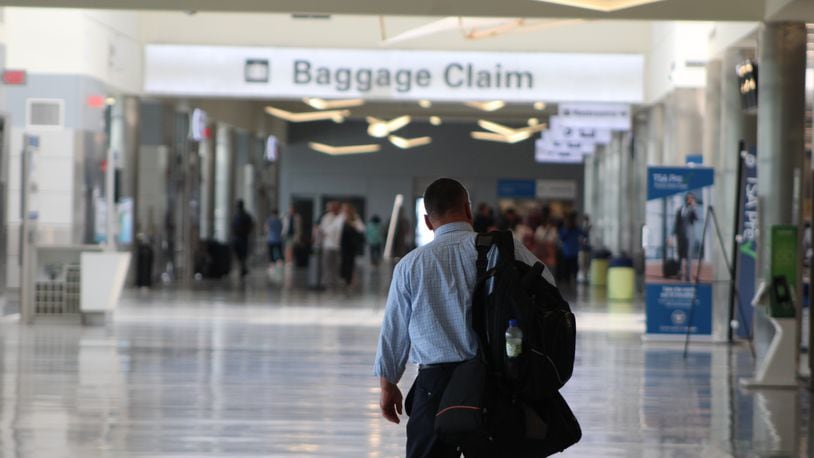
pixel 493 105
pixel 333 115
pixel 533 122
pixel 343 150
pixel 602 5
pixel 381 128
pixel 435 120
pixel 539 106
pixel 424 103
pixel 406 143
pixel 322 104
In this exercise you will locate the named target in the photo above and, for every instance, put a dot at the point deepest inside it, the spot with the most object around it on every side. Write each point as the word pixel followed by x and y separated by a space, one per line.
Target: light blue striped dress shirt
pixel 428 314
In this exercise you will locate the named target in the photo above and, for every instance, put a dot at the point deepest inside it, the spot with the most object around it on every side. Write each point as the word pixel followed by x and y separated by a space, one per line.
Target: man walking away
pixel 375 239
pixel 330 228
pixel 242 226
pixel 274 238
pixel 428 316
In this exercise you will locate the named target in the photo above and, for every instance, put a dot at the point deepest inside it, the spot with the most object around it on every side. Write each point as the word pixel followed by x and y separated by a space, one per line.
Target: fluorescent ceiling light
pixel 493 137
pixel 435 120
pixel 406 143
pixel 334 115
pixel 602 5
pixel 343 150
pixel 493 105
pixel 496 128
pixel 322 104
pixel 506 131
pixel 381 128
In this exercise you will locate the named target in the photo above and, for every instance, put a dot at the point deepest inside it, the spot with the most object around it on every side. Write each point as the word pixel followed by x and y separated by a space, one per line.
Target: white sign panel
pixel 222 71
pixel 596 115
pixel 546 153
pixel 558 131
pixel 576 146
pixel 556 189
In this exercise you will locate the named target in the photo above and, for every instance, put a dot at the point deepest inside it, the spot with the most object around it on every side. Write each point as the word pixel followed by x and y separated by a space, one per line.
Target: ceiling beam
pixel 723 10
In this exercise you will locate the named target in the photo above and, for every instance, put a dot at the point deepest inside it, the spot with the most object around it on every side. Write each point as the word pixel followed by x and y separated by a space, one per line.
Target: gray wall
pixel 380 176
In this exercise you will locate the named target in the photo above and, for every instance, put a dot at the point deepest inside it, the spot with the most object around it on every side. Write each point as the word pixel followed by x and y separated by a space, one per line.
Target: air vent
pixel 310 16
pixel 45 113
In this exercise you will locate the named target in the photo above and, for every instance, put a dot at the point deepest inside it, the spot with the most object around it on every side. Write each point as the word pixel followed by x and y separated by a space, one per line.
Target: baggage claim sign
pixel 391 75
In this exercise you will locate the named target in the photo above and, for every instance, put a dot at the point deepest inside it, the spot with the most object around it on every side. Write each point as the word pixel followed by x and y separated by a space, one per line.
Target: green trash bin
pixel 599 272
pixel 621 283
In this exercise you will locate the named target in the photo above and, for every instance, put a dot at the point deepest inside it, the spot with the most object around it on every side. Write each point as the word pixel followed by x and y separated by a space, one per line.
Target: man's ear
pixel 428 222
pixel 468 210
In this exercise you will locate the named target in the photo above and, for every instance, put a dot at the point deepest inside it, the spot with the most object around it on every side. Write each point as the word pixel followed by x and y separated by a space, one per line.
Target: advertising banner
pixel 746 257
pixel 677 201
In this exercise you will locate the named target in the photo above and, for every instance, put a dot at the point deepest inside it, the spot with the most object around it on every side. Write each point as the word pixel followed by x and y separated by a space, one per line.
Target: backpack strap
pixel 505 245
pixel 483 243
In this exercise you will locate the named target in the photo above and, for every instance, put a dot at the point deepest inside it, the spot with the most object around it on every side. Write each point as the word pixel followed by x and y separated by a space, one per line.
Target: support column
pixel 712 114
pixel 781 115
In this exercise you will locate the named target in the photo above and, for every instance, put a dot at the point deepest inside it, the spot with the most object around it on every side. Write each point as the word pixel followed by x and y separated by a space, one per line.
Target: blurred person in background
pixel 351 242
pixel 585 249
pixel 375 239
pixel 274 238
pixel 571 238
pixel 292 233
pixel 242 227
pixel 546 240
pixel 484 220
pixel 330 232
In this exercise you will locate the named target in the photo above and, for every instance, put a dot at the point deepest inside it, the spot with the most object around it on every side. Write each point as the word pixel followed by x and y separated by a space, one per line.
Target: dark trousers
pixel 375 254
pixel 275 252
pixel 347 262
pixel 422 405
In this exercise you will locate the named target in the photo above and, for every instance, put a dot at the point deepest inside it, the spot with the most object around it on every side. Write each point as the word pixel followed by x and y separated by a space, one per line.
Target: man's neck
pixel 451 219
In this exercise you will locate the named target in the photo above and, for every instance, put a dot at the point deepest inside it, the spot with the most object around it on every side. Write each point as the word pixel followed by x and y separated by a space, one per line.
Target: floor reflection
pixel 264 370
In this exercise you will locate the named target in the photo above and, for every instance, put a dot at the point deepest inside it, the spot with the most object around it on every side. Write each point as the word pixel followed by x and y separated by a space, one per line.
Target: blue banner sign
pixel 670 310
pixel 668 181
pixel 746 257
pixel 526 189
pixel 678 258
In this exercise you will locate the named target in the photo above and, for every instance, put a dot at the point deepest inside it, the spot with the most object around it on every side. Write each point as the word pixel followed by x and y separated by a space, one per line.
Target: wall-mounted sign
pixel 272 144
pixel 516 188
pixel 747 84
pixel 557 189
pixel 14 77
pixel 391 74
pixel 595 115
pixel 197 125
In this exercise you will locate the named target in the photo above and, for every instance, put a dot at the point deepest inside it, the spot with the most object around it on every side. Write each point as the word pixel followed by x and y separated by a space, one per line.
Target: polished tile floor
pixel 267 370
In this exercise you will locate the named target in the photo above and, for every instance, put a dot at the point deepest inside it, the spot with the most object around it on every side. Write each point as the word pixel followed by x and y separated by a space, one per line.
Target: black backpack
pixel 515 408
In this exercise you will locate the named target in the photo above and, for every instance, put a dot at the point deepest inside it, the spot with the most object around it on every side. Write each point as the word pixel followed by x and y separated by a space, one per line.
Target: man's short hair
pixel 443 196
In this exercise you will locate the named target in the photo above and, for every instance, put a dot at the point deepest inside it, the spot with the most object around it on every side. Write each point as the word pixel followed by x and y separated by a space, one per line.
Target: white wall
pixel 101 44
pixel 674 45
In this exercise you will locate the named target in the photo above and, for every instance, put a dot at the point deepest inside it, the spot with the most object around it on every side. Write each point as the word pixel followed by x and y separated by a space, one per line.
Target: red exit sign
pixel 14 77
